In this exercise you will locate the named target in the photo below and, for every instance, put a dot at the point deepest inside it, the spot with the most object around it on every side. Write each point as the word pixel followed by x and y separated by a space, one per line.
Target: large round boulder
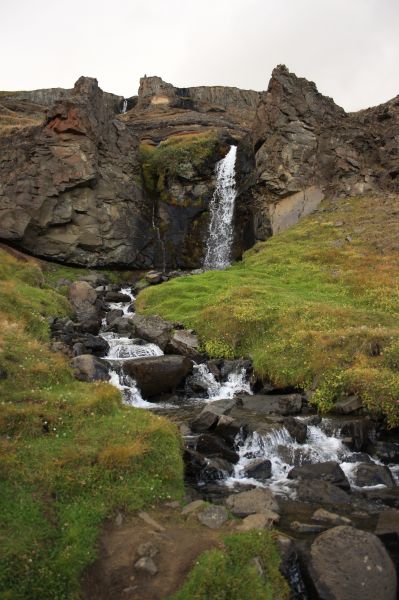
pixel 327 471
pixel 87 367
pixel 158 374
pixel 347 563
pixel 83 299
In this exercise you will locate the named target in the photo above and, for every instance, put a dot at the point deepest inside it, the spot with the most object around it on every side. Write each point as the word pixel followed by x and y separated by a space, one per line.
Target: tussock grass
pixel 71 454
pixel 316 306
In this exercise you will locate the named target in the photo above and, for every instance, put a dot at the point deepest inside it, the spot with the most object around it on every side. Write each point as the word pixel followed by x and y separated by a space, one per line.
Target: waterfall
pixel 124 107
pixel 220 239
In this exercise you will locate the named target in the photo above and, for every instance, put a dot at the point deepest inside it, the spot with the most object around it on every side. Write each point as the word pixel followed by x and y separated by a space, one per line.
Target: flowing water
pixel 124 107
pixel 220 237
pixel 323 441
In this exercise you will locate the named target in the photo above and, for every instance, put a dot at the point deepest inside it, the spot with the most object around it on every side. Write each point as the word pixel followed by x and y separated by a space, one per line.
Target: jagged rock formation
pixel 82 183
pixel 303 146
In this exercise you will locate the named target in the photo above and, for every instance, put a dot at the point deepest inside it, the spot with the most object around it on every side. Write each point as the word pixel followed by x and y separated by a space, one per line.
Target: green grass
pixel 71 454
pixel 316 306
pixel 230 574
pixel 175 157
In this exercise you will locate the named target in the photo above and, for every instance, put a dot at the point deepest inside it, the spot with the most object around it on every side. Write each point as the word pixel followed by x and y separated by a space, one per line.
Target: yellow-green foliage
pixel 313 306
pixel 70 453
pixel 233 574
pixel 173 157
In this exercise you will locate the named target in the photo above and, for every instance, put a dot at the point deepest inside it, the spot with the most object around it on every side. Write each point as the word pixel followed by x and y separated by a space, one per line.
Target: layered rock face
pixel 70 188
pixel 303 146
pixel 84 184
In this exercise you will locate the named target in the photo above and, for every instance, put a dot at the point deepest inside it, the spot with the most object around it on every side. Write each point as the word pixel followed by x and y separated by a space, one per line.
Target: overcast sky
pixel 350 48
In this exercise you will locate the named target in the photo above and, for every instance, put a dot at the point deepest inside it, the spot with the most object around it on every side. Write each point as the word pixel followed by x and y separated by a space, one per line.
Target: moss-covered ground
pixel 316 306
pixel 71 454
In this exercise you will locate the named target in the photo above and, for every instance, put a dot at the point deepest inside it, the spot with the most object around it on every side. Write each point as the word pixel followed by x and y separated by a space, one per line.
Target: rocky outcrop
pixel 70 189
pixel 304 146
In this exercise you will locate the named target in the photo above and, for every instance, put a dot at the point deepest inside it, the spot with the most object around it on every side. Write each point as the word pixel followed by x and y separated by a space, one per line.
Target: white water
pixel 124 107
pixel 220 237
pixel 236 383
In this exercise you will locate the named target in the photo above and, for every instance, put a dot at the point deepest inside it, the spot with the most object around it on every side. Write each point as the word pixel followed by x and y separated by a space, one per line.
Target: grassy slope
pixel 315 306
pixel 56 487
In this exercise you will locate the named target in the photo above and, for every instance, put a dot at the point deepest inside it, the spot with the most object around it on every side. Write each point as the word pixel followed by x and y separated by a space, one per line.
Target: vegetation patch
pixel 316 306
pixel 71 454
pixel 247 567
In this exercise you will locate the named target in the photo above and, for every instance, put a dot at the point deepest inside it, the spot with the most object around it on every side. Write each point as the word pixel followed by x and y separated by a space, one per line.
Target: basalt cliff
pixel 90 178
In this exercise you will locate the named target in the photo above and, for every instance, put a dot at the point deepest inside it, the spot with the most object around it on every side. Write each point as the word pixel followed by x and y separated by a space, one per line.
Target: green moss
pixel 306 303
pixel 71 453
pixel 177 156
pixel 233 573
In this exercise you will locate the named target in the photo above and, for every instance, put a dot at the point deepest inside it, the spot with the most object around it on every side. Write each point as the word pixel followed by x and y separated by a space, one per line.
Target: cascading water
pixel 220 238
pixel 124 107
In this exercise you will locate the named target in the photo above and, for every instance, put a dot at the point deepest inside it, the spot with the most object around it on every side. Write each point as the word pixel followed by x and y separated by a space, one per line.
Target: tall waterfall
pixel 124 107
pixel 220 238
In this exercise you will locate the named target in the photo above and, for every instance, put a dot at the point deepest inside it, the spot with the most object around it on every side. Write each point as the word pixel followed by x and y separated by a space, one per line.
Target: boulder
pixel 370 474
pixel 213 516
pixel 154 277
pixel 91 344
pixel 388 523
pixel 122 325
pixel 205 421
pixel 185 343
pixel 328 471
pixel 321 492
pixel 83 300
pixel 286 404
pixel 112 315
pixel 92 325
pixel 347 406
pixel 116 297
pixel 258 500
pixel 346 563
pixel 158 374
pixel 228 429
pixel 260 469
pixel 211 445
pixel 388 452
pixel 153 329
pixel 264 520
pixel 87 367
pixel 297 429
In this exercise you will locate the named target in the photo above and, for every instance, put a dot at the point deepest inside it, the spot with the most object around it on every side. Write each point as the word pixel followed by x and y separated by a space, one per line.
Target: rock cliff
pixel 83 182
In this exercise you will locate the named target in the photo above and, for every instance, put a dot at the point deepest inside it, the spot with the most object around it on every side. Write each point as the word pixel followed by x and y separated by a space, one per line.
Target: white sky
pixel 350 48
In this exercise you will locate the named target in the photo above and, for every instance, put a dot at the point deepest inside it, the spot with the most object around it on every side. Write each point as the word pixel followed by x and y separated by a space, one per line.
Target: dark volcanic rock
pixel 321 492
pixel 89 368
pixel 211 445
pixel 259 469
pixel 370 474
pixel 327 471
pixel 347 563
pixel 158 374
pixel 286 404
pixel 153 329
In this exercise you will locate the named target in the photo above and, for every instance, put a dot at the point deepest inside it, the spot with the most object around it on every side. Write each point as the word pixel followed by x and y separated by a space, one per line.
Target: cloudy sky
pixel 350 48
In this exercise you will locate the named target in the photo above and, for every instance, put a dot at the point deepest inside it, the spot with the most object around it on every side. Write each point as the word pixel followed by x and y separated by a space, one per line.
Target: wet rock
pixel 205 421
pixel 388 452
pixel 116 297
pixel 199 468
pixel 260 469
pixel 92 326
pixel 264 520
pixel 92 344
pixel 306 527
pixel 222 407
pixel 250 502
pixel 358 457
pixel 213 516
pixel 370 474
pixel 286 404
pixel 211 445
pixel 83 300
pixel 147 565
pixel 153 329
pixel 158 374
pixel 324 516
pixel 122 325
pixel 131 308
pixel 89 368
pixel 185 343
pixel 290 568
pixel 347 406
pixel 110 317
pixel 321 492
pixel 214 368
pixel 359 431
pixel 328 471
pixel 234 366
pixel 347 563
pixel 228 429
pixel 297 429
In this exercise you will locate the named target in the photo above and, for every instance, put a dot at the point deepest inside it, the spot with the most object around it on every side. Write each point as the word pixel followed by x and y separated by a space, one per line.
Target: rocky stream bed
pixel 328 484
